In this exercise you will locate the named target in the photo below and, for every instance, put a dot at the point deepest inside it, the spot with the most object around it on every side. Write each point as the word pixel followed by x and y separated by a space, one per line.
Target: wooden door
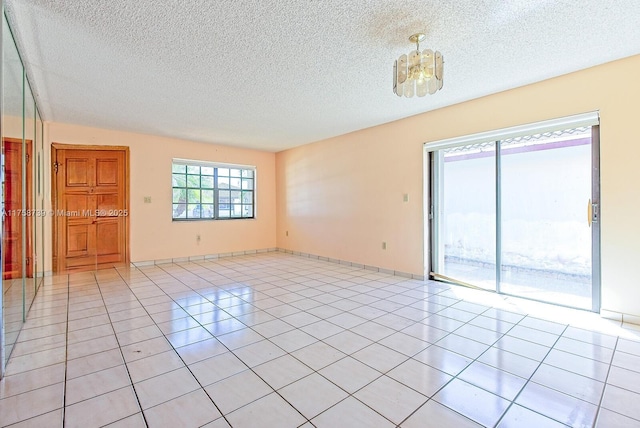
pixel 91 207
pixel 14 211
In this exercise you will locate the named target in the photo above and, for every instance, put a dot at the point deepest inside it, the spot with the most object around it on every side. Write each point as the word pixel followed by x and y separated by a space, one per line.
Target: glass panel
pixel 247 211
pixel 179 195
pixel 247 184
pixel 466 217
pixel 28 220
pixel 207 182
pixel 235 172
pixel 223 172
pixel 179 168
pixel 13 307
pixel 224 213
pixel 546 239
pixel 236 210
pixel 247 173
pixel 193 181
pixel 409 88
pixel 39 179
pixel 247 197
pixel 38 240
pixel 193 169
pixel 402 68
pixel 193 210
pixel 179 211
pixel 224 199
pixel 179 180
pixel 235 183
pixel 193 196
pixel 223 182
pixel 207 210
pixel 207 196
pixel 206 170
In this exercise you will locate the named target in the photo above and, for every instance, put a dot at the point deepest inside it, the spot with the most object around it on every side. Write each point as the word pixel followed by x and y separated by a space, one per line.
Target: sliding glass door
pixel 546 238
pixel 467 212
pixel 519 214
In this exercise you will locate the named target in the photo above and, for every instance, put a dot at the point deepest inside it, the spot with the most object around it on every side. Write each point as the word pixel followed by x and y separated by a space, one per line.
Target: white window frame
pixel 245 186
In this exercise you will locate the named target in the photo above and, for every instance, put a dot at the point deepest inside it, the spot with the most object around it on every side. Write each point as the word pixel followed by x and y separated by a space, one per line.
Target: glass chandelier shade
pixel 418 73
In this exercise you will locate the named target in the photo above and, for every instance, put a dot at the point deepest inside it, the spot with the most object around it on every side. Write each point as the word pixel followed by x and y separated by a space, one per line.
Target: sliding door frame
pixel 435 203
pixel 433 197
pixel 596 279
pixel 498 215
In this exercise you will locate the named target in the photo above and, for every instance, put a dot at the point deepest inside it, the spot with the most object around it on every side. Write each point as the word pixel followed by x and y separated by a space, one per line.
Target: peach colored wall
pixel 154 235
pixel 12 126
pixel 342 197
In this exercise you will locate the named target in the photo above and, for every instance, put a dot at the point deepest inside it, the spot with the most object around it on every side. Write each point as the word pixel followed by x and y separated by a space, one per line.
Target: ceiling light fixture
pixel 419 73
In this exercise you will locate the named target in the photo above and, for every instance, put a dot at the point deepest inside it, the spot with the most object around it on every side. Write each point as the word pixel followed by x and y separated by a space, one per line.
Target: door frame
pixel 596 256
pixel 26 177
pixel 432 197
pixel 56 263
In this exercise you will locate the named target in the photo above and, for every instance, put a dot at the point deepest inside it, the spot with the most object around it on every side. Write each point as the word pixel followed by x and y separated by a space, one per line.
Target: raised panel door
pixel 91 223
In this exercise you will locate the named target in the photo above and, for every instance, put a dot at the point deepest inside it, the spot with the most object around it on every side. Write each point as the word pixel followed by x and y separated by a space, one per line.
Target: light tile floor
pixel 277 340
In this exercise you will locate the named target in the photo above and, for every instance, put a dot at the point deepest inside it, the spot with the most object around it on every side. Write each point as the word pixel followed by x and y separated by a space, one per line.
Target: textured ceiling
pixel 276 74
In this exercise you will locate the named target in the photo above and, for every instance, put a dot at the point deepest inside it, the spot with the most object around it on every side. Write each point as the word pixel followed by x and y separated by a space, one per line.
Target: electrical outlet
pixel 198 238
pixel 286 233
pixel 147 199
pixel 384 245
pixel 405 197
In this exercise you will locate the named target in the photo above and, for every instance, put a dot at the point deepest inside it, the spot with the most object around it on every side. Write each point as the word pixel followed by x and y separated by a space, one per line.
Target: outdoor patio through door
pixel 517 212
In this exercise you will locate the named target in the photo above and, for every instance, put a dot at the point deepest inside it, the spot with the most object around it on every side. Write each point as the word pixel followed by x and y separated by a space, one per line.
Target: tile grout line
pixel 395 331
pixel 232 350
pixel 409 358
pixel 135 392
pixel 309 273
pixel 473 360
pixel 551 348
pixel 378 342
pixel 66 353
pixel 40 387
pixel 242 272
pixel 49 365
pixel 512 402
pixel 313 371
pixel 170 344
pixel 613 354
pixel 329 304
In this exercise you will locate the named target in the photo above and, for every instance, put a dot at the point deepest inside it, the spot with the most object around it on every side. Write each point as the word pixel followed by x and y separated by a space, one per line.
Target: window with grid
pixel 205 191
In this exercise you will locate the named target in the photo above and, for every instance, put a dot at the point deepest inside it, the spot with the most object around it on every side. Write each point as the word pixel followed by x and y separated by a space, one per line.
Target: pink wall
pixel 342 197
pixel 154 235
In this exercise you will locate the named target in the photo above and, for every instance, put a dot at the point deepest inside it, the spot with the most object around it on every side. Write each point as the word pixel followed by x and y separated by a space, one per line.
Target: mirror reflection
pixel 22 187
